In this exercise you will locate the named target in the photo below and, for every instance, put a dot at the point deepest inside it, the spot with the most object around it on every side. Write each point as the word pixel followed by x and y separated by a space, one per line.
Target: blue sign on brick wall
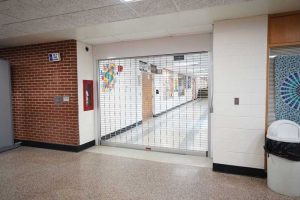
pixel 54 57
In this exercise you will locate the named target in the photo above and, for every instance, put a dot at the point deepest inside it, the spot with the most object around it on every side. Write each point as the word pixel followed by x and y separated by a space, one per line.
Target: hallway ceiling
pixel 104 21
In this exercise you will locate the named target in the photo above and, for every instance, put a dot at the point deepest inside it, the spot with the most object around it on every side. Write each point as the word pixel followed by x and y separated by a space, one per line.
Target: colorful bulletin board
pixel 108 76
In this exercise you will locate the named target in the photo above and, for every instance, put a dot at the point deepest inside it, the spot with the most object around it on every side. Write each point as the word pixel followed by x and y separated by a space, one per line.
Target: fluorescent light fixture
pixel 273 56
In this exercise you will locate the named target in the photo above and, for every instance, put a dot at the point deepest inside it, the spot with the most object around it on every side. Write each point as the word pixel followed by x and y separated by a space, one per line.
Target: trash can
pixel 283 157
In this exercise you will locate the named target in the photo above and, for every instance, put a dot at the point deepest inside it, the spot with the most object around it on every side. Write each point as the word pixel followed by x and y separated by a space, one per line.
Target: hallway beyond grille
pixel 183 128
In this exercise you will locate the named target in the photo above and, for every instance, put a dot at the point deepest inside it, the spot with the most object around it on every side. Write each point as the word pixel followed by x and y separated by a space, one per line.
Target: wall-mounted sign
pixel 54 57
pixel 150 68
pixel 120 68
pixel 178 57
pixel 61 99
pixel 58 100
pixel 153 69
pixel 144 67
pixel 88 95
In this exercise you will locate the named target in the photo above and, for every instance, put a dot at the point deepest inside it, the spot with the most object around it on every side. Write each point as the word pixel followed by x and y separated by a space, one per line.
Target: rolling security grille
pixel 157 101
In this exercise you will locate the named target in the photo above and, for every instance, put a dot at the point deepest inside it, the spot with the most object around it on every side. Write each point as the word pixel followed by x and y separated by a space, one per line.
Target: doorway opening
pixel 155 102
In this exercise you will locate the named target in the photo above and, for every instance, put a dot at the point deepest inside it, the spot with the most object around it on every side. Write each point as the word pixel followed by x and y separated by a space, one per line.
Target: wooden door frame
pixel 143 75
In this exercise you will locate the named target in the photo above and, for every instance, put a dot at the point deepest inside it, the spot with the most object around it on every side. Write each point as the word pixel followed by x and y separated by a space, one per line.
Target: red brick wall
pixel 35 82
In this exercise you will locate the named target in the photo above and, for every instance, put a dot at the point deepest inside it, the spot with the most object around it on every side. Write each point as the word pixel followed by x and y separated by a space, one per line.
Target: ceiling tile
pixel 20 10
pixel 4 5
pixel 37 9
pixel 115 13
pixel 57 7
pixel 196 4
pixel 73 20
pixel 153 7
pixel 154 15
pixel 4 19
pixel 235 1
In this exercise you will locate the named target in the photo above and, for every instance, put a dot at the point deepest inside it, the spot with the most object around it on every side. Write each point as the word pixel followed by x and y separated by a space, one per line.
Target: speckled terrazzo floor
pixel 32 173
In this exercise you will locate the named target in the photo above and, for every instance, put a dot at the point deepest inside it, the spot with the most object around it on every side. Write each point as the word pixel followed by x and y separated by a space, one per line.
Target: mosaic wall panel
pixel 287 88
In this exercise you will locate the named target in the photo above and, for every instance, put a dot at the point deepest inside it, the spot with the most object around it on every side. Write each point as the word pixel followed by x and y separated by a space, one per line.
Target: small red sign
pixel 120 68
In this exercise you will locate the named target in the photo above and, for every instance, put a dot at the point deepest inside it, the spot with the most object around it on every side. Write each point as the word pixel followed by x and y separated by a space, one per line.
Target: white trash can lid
pixel 284 131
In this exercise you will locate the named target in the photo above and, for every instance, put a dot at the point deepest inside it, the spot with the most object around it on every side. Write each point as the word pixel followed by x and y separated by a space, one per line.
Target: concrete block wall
pixel 240 58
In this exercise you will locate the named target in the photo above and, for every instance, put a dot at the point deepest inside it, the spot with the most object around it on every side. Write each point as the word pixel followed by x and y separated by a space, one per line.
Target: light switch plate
pixel 236 101
pixel 66 98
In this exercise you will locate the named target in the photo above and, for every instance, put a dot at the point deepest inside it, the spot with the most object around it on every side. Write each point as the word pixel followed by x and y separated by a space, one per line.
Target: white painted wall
pixel 85 71
pixel 240 56
pixel 167 45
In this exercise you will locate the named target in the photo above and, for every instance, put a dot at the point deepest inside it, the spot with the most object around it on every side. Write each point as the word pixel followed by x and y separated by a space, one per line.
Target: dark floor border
pixel 157 115
pixel 122 130
pixel 247 171
pixel 62 147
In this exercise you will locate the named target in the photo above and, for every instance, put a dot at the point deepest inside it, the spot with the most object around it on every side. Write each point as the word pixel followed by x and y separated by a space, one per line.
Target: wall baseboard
pixel 247 171
pixel 122 130
pixel 61 147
